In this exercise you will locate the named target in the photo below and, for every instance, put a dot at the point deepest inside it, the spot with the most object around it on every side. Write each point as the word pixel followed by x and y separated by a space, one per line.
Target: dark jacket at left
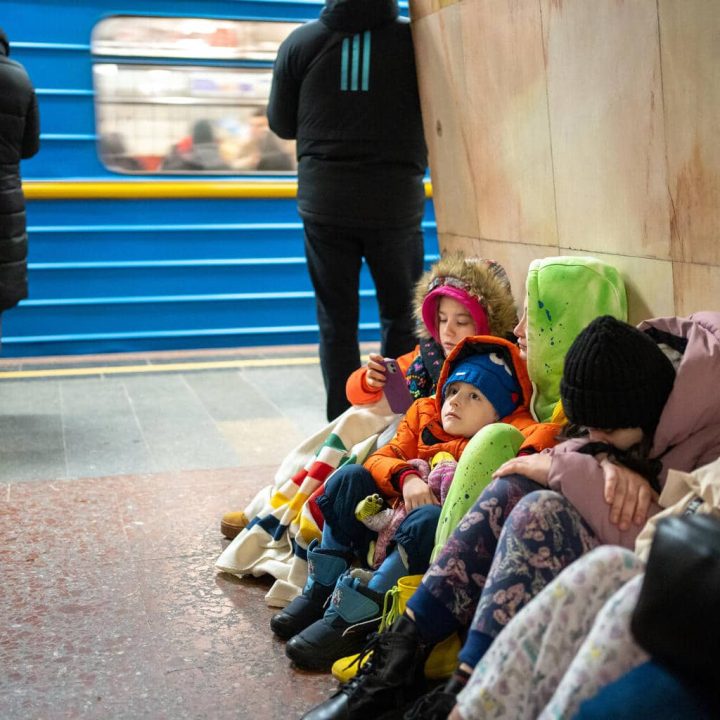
pixel 19 138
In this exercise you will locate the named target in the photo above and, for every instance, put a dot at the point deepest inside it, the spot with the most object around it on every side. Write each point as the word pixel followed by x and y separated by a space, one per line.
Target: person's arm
pixel 282 109
pixel 580 478
pixel 628 494
pixel 31 136
pixel 365 385
pixel 389 465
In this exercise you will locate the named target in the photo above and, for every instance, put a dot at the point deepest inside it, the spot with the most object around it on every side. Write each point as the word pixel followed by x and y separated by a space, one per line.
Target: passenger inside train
pixel 198 151
pixel 263 150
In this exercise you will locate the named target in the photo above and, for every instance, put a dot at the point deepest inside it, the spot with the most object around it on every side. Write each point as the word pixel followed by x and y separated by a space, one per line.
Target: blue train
pixel 136 242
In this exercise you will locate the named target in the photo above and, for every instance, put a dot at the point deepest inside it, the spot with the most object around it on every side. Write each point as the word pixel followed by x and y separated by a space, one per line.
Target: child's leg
pixel 484 454
pixel 521 671
pixel 542 535
pixel 356 604
pixel 343 491
pixel 450 590
pixel 343 534
pixel 413 544
pixel 608 652
pixel 393 567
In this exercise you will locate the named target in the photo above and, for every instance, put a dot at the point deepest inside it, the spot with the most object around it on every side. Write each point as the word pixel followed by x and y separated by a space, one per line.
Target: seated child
pixel 483 381
pixel 456 298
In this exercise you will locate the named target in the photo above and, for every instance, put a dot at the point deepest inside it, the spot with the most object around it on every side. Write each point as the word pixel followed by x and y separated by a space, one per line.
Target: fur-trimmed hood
pixel 484 279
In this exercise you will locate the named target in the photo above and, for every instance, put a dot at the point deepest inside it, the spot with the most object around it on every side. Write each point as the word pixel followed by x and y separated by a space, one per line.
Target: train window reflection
pixel 189 38
pixel 165 117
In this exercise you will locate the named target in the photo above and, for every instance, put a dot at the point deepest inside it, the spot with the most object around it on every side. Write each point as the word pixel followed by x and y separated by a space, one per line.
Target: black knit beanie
pixel 615 376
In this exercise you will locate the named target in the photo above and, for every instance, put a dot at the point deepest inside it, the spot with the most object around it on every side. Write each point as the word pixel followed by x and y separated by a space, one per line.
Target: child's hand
pixel 375 376
pixel 536 467
pixel 628 494
pixel 416 493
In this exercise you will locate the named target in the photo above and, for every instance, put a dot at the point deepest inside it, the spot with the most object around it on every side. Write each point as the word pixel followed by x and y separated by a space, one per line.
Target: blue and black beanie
pixel 490 374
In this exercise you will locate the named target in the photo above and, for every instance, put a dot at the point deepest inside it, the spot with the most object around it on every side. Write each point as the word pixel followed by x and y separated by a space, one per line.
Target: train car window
pixel 155 114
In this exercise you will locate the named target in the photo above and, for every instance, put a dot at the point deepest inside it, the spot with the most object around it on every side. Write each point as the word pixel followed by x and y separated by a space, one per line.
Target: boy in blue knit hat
pixel 492 393
pixel 483 381
pixel 489 375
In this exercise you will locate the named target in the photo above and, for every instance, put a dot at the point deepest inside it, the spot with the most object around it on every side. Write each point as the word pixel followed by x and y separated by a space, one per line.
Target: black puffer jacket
pixel 19 138
pixel 345 87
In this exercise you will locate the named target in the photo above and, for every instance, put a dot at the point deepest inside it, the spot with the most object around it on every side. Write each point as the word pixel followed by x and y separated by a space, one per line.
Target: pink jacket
pixel 687 436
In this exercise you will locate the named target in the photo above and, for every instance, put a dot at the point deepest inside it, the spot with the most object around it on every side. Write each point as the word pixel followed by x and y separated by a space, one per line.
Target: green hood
pixel 563 295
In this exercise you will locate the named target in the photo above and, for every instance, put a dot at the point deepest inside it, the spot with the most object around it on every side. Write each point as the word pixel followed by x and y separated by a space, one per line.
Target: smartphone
pixel 396 389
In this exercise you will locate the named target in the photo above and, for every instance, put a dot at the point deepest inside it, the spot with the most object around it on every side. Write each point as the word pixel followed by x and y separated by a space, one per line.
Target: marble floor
pixel 114 472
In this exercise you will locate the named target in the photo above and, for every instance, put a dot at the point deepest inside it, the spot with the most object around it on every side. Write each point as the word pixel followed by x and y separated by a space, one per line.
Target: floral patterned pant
pixel 514 540
pixel 573 639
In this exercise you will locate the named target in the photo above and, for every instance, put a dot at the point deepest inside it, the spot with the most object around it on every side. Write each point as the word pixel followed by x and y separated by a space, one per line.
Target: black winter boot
pixel 324 568
pixel 386 683
pixel 354 613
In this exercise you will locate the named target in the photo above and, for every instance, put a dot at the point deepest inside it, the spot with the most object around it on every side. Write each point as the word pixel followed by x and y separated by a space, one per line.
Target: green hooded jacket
pixel 563 295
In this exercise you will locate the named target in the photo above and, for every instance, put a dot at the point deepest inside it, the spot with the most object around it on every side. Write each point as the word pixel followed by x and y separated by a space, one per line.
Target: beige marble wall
pixel 579 127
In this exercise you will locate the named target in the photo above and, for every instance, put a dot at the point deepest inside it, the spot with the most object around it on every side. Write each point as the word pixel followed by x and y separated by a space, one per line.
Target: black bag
pixel 677 617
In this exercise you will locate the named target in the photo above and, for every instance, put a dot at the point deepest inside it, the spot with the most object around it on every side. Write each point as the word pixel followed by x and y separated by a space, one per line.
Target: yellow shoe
pixel 441 662
pixel 396 599
pixel 347 668
pixel 232 523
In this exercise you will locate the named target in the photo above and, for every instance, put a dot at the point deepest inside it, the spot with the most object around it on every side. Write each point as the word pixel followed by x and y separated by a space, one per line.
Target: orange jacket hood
pixel 483 344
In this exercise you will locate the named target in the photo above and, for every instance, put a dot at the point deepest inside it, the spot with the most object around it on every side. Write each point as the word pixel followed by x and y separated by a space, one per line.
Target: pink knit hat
pixel 453 288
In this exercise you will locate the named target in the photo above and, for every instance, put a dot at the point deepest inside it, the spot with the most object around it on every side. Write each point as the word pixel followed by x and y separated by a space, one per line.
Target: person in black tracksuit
pixel 345 88
pixel 19 138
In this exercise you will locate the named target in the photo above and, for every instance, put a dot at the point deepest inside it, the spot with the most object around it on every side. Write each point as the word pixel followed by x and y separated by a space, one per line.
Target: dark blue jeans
pixel 345 489
pixel 334 257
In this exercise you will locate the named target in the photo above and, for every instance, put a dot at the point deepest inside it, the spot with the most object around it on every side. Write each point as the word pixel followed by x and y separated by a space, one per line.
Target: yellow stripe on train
pixel 158 189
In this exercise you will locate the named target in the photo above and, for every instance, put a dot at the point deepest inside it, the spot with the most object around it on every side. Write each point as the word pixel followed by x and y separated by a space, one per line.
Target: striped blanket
pixel 284 517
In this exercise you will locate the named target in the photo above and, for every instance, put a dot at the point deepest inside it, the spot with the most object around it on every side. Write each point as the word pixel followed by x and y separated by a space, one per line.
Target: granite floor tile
pixel 198 622
pixel 31 431
pixel 64 523
pixel 178 431
pixel 131 620
pixel 227 395
pixel 33 464
pixel 100 430
pixel 62 622
pixel 16 399
pixel 240 690
pixel 159 526
pixel 255 441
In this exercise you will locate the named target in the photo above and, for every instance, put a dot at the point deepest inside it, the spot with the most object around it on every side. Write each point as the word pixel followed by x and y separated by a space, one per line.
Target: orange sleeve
pixel 540 436
pixel 392 459
pixel 360 393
